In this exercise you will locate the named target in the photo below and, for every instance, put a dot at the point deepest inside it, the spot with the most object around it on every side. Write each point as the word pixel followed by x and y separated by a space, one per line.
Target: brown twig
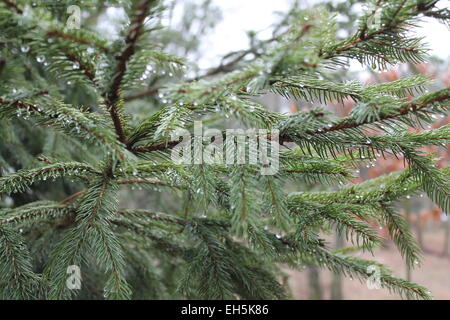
pixel 112 96
pixel 147 181
pixel 405 109
pixel 72 196
pixel 438 96
pixel 59 34
pixel 12 5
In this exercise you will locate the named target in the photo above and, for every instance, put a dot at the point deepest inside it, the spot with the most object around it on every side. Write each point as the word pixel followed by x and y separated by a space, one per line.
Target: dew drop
pixel 40 58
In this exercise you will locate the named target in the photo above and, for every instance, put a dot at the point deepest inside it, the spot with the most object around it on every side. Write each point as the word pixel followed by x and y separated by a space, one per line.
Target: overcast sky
pixel 240 16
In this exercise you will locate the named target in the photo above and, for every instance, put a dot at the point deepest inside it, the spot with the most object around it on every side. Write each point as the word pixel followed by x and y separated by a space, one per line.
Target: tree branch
pixel 12 5
pixel 112 96
pixel 406 108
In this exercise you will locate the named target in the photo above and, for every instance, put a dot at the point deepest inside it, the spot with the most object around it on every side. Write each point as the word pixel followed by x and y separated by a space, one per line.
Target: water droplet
pixel 25 48
pixel 40 58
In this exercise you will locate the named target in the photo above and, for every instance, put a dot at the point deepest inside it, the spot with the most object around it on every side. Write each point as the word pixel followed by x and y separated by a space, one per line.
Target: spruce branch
pixel 252 225
pixel 22 179
pixel 414 107
pixel 400 233
pixel 34 212
pixel 17 279
pixel 49 111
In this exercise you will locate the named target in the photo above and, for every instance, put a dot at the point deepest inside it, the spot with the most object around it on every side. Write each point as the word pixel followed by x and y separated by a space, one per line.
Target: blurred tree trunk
pixel 315 289
pixel 406 208
pixel 336 286
pixel 445 252
pixel 419 230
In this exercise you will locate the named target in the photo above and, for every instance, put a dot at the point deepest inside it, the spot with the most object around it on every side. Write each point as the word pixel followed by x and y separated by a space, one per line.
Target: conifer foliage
pixel 234 228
